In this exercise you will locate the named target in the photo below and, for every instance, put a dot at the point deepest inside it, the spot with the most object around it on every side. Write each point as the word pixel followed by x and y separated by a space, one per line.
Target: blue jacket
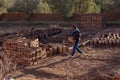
pixel 76 34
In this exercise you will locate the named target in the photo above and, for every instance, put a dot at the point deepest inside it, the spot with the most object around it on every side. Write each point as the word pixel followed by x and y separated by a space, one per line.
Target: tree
pixel 86 6
pixel 64 7
pixel 103 4
pixel 43 7
pixel 5 4
pixel 30 6
pixel 115 6
pixel 26 6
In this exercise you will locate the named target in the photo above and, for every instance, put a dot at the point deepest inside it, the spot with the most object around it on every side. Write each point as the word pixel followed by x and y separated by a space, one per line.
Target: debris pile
pixel 43 33
pixel 108 39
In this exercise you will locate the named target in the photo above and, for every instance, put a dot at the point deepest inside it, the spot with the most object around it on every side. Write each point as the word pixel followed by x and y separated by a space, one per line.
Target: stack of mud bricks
pixel 30 51
pixel 23 51
pixel 56 49
pixel 91 21
pixel 109 39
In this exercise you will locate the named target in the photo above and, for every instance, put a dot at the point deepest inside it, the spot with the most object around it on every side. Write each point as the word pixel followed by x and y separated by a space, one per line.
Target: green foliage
pixel 26 6
pixel 103 4
pixel 89 6
pixel 30 6
pixel 4 4
pixel 64 7
pixel 115 6
pixel 43 7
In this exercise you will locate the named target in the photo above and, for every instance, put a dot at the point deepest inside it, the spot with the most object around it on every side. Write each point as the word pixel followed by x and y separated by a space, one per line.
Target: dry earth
pixel 97 61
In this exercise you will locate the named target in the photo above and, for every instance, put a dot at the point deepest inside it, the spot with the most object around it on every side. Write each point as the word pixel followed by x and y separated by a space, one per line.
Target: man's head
pixel 74 27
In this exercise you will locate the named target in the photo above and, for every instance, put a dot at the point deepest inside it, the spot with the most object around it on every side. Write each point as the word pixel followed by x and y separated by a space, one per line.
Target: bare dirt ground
pixel 98 61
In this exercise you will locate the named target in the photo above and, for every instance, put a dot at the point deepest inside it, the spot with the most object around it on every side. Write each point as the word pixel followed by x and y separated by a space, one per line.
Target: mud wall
pixel 84 20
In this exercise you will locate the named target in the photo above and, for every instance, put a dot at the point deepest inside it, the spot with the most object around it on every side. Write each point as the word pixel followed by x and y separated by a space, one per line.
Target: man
pixel 76 37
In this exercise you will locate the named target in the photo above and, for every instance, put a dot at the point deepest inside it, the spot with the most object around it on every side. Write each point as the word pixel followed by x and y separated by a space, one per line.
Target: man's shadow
pixel 35 72
pixel 57 62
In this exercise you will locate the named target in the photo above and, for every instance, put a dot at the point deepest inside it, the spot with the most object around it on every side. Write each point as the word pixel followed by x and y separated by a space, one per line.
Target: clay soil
pixel 96 61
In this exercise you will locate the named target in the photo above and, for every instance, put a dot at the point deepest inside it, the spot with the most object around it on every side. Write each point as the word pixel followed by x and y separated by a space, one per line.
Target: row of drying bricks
pixel 106 39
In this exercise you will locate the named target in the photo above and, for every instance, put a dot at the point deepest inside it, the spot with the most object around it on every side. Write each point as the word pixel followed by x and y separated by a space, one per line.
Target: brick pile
pixel 108 39
pixel 30 51
pixel 91 21
pixel 23 50
pixel 56 49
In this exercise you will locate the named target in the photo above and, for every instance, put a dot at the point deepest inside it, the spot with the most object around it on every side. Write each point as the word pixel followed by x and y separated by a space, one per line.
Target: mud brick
pixel 118 36
pixel 13 44
pixel 28 55
pixel 50 51
pixel 118 41
pixel 43 53
pixel 5 43
pixel 22 45
pixel 21 49
pixel 34 63
pixel 114 42
pixel 54 50
pixel 34 59
pixel 106 41
pixel 102 42
pixel 57 50
pixel 110 42
pixel 91 42
pixel 64 49
pixel 96 41
pixel 27 50
pixel 9 48
pixel 33 51
pixel 34 43
pixel 6 51
pixel 114 36
pixel 13 53
pixel 99 42
pixel 61 50
pixel 44 56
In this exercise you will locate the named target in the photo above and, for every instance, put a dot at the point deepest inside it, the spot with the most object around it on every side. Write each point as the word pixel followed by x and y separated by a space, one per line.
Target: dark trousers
pixel 75 47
